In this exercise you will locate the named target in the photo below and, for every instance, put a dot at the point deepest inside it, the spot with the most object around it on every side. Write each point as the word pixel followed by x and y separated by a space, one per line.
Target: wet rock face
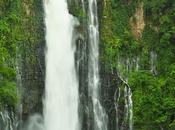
pixel 31 62
pixel 109 83
pixel 108 80
pixel 81 58
pixel 32 83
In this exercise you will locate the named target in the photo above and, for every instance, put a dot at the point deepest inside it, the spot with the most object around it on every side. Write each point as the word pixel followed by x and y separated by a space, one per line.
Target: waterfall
pixel 153 59
pixel 83 6
pixel 123 92
pixel 100 117
pixel 8 121
pixel 61 93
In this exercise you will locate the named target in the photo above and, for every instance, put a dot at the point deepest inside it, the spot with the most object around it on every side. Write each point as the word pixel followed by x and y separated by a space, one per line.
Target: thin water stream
pixel 100 116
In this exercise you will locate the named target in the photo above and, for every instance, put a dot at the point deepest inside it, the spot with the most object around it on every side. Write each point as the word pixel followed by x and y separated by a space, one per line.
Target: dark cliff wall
pixel 31 60
pixel 81 56
pixel 109 80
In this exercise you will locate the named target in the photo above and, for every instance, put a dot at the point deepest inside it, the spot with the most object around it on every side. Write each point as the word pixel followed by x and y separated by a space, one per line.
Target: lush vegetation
pixel 8 40
pixel 152 78
pixel 149 53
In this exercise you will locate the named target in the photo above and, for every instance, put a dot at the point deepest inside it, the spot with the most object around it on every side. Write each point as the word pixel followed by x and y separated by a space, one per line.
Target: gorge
pixel 87 65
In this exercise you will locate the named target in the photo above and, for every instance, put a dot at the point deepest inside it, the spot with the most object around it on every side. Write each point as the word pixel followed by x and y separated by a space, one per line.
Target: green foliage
pixel 153 94
pixel 153 99
pixel 116 31
pixel 9 23
pixel 8 95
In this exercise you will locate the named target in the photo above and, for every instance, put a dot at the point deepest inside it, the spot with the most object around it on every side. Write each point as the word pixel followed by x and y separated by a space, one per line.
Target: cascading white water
pixel 100 117
pixel 125 66
pixel 8 120
pixel 61 93
pixel 153 59
pixel 82 2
